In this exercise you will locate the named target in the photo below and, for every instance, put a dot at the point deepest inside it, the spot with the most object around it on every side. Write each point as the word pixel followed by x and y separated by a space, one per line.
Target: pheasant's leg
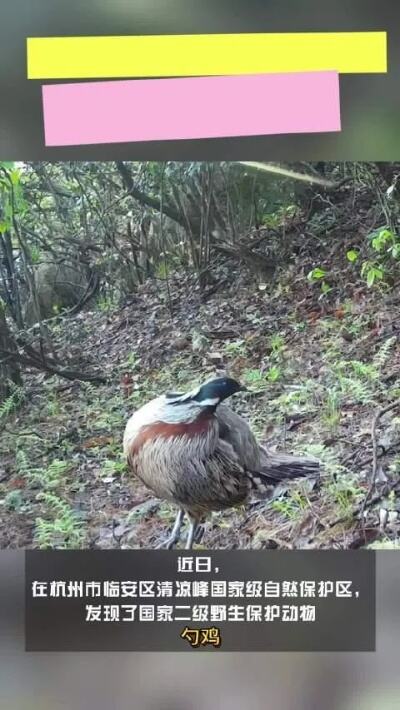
pixel 191 534
pixel 175 532
pixel 198 536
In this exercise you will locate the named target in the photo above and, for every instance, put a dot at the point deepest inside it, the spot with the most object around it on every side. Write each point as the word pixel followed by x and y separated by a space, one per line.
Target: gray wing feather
pixel 273 467
pixel 236 431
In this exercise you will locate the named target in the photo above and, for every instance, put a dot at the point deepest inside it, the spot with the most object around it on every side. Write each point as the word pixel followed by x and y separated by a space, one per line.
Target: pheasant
pixel 190 449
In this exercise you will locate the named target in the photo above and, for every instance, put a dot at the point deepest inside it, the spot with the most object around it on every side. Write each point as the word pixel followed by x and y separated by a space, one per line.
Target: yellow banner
pixel 201 55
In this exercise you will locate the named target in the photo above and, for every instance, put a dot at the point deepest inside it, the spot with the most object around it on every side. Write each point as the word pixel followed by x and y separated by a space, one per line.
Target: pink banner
pixel 187 108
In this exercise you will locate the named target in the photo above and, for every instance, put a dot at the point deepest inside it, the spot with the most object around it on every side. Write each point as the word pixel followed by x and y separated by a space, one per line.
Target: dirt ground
pixel 318 373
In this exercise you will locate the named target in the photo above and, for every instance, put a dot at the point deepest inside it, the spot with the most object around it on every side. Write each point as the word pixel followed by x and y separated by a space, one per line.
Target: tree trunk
pixel 9 368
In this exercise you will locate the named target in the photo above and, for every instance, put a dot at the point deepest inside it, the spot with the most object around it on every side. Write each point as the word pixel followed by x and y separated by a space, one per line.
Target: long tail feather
pixel 276 468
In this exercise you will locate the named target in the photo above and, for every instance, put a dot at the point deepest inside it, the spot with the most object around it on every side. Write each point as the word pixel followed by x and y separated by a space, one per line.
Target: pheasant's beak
pixel 242 388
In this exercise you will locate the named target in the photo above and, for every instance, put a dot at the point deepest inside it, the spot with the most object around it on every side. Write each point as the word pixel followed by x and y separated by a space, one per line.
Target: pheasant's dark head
pixel 207 396
pixel 215 391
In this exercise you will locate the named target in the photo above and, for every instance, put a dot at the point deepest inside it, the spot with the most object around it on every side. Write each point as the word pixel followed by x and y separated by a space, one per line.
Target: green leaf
pixel 273 374
pixel 316 274
pixel 352 255
pixel 371 277
pixel 15 177
pixel 381 240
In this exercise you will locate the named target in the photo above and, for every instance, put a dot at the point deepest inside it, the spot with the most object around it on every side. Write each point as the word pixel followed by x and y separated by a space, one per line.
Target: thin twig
pixel 35 361
pixel 365 462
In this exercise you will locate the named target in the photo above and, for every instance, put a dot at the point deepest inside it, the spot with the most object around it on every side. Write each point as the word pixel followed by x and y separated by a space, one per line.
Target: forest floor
pixel 318 373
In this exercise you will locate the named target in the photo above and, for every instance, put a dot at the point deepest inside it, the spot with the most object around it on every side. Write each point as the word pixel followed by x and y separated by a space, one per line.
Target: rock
pixel 215 357
pixel 390 435
pixel 58 285
pixel 383 518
